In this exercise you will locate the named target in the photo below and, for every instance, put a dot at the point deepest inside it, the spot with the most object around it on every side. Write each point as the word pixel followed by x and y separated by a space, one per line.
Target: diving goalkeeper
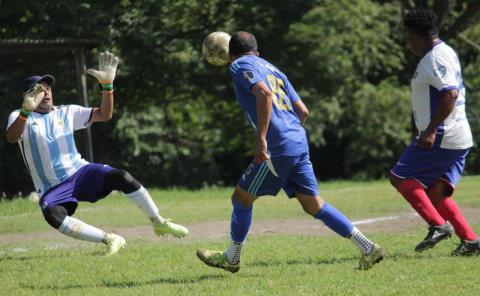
pixel 61 176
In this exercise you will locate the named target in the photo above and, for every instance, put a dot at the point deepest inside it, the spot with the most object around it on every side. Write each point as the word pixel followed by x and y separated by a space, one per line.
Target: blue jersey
pixel 285 135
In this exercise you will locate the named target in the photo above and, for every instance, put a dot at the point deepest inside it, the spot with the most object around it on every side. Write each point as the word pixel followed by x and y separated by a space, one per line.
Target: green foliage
pixel 346 75
pixel 176 120
pixel 380 130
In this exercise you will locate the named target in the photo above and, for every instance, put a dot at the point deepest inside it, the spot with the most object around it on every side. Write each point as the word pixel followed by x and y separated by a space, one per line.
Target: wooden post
pixel 81 72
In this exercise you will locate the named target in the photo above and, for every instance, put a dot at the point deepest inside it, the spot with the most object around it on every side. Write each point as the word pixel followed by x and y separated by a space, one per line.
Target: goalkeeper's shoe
pixel 370 259
pixel 217 259
pixel 467 248
pixel 167 227
pixel 435 235
pixel 114 243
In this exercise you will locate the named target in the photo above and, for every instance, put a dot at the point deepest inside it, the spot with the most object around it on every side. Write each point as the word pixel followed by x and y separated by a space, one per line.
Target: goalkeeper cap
pixel 32 80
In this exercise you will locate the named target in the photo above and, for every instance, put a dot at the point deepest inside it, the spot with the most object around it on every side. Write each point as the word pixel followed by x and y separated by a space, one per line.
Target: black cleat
pixel 467 248
pixel 435 235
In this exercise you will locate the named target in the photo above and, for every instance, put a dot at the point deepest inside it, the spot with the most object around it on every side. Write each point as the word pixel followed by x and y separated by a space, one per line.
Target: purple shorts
pixel 430 165
pixel 295 174
pixel 87 184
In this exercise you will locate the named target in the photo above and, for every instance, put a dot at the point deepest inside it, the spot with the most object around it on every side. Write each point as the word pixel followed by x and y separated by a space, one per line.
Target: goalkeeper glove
pixel 107 66
pixel 32 98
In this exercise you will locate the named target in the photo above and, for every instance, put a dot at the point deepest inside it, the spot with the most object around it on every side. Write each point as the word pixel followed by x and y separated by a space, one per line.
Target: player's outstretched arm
pixel 31 99
pixel 107 67
pixel 301 110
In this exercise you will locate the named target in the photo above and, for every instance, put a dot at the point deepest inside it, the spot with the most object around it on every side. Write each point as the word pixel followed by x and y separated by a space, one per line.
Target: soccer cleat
pixel 114 243
pixel 167 227
pixel 435 235
pixel 467 248
pixel 368 260
pixel 217 259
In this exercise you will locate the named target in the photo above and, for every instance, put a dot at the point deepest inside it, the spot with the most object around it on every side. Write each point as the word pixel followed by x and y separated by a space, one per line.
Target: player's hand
pixel 426 139
pixel 261 153
pixel 33 97
pixel 107 67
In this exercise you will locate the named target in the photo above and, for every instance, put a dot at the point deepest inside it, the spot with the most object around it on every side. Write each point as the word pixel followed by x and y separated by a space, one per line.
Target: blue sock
pixel 335 220
pixel 241 221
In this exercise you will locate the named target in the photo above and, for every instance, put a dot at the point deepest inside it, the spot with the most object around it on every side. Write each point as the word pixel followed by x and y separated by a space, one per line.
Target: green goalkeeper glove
pixel 32 98
pixel 107 66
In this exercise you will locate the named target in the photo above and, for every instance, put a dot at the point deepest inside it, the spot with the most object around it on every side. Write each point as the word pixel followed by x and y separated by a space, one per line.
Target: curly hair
pixel 421 21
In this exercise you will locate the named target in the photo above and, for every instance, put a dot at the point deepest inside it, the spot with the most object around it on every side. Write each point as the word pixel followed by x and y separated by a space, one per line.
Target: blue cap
pixel 32 80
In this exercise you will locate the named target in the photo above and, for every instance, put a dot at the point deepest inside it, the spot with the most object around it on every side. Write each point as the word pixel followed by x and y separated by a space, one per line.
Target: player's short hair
pixel 241 43
pixel 422 21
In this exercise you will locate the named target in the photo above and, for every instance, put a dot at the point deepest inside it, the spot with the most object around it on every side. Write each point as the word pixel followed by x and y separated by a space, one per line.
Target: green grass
pixel 271 264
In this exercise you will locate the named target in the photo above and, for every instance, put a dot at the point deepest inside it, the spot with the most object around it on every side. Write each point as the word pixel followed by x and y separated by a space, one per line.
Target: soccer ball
pixel 215 48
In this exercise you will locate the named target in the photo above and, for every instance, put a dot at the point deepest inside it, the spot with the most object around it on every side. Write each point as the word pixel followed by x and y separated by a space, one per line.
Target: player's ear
pixel 257 53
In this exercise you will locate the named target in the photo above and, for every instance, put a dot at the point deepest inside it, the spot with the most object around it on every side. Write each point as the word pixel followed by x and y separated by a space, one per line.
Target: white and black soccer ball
pixel 215 48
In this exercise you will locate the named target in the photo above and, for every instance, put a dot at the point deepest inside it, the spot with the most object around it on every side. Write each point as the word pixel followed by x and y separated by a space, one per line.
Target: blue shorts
pixel 295 174
pixel 87 184
pixel 430 165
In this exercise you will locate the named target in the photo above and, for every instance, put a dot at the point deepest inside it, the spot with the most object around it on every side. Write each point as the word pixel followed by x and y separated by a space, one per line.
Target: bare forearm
pixel 15 131
pixel 264 111
pixel 446 105
pixel 107 104
pixel 105 111
pixel 301 110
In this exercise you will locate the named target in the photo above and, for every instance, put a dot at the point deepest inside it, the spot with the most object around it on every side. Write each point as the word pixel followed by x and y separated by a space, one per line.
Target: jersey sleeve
pixel 12 117
pixel 440 73
pixel 81 116
pixel 245 75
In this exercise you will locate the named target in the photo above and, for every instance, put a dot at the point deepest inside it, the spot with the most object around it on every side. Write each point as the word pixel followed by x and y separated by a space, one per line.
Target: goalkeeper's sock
pixel 361 241
pixel 241 221
pixel 234 251
pixel 80 230
pixel 142 199
pixel 334 220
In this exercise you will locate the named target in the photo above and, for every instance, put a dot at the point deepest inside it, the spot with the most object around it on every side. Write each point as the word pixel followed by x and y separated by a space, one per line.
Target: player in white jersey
pixel 427 172
pixel 61 176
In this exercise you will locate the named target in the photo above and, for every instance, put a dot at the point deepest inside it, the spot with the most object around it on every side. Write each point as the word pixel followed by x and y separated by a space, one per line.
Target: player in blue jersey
pixel 281 159
pixel 61 176
pixel 427 172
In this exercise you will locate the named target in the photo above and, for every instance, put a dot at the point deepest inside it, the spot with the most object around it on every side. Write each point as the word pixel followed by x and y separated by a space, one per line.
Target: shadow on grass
pixel 128 284
pixel 303 261
pixel 27 258
pixel 394 256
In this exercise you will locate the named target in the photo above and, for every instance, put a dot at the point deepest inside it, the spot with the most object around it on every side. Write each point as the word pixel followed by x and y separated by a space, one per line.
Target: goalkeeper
pixel 61 176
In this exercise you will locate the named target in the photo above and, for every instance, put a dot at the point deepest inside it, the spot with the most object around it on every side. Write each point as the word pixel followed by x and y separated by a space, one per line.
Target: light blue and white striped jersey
pixel 47 144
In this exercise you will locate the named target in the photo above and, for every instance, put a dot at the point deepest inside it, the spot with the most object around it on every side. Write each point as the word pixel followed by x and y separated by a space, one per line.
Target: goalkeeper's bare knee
pixel 121 180
pixel 55 215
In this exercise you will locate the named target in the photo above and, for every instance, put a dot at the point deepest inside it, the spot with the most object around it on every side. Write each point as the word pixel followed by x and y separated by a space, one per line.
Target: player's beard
pixel 44 106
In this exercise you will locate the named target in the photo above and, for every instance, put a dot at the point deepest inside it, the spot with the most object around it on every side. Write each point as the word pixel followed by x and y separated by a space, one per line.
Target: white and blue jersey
pixel 47 144
pixel 285 135
pixel 437 72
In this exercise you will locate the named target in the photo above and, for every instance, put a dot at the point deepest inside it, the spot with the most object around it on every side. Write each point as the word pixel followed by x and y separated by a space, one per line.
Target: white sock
pixel 361 241
pixel 142 199
pixel 80 230
pixel 234 251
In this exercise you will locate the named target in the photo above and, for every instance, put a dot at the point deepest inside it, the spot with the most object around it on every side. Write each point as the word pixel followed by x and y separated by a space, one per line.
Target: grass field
pixel 272 263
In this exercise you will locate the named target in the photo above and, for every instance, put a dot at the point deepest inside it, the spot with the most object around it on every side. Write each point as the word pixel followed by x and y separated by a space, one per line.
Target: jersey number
pixel 280 98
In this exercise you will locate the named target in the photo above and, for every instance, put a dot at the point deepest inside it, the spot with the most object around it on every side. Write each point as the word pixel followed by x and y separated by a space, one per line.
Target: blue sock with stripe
pixel 334 220
pixel 241 221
